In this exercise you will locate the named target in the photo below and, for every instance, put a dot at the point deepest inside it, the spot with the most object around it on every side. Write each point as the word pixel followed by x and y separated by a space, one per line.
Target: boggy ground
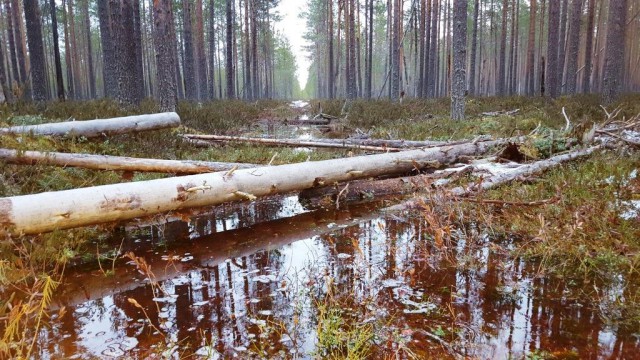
pixel 276 279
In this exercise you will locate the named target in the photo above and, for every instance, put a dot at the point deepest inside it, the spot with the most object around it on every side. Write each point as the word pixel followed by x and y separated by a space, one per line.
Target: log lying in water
pixel 286 142
pixel 120 163
pixel 49 211
pixel 95 128
pixel 505 177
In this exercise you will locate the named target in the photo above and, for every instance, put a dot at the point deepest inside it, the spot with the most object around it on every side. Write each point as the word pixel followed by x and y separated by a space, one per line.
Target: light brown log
pixel 287 142
pixel 102 127
pixel 120 163
pixel 49 211
pixel 503 178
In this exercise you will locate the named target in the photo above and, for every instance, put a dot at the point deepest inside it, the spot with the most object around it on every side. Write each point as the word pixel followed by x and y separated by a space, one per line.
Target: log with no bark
pixel 403 144
pixel 49 211
pixel 286 142
pixel 101 127
pixel 120 163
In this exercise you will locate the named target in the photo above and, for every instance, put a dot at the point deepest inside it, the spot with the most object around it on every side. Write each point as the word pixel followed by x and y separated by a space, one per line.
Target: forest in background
pixel 201 50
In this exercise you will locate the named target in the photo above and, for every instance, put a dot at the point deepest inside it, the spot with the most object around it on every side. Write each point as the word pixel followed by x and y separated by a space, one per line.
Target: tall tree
pixel 190 81
pixel 36 50
pixel 19 42
pixel 56 51
pixel 12 43
pixel 474 47
pixel 201 59
pixel 588 48
pixel 573 46
pixel 552 49
pixel 108 49
pixel 91 73
pixel 614 55
pixel 459 82
pixel 351 53
pixel 530 73
pixel 164 41
pixel 212 49
pixel 501 79
pixel 562 42
pixel 230 70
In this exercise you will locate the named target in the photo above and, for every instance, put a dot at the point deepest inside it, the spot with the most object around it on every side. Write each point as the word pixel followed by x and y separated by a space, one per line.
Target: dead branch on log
pixel 103 127
pixel 117 163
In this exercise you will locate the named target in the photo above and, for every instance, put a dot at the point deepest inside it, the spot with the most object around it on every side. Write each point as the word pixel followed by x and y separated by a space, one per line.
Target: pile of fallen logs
pixel 218 183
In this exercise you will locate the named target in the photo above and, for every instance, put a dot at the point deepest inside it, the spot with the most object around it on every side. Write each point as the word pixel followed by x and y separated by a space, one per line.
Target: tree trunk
pixel 433 53
pixel 573 47
pixel 56 51
pixel 351 77
pixel 36 50
pixel 212 50
pixel 201 59
pixel 474 47
pixel 614 55
pixel 562 43
pixel 501 79
pixel 73 51
pixel 369 76
pixel 588 51
pixel 230 70
pixel 165 54
pixel 108 50
pixel 91 72
pixel 552 49
pixel 116 163
pixel 530 83
pixel 190 81
pixel 137 50
pixel 12 43
pixel 102 204
pixel 21 51
pixel 459 81
pixel 102 127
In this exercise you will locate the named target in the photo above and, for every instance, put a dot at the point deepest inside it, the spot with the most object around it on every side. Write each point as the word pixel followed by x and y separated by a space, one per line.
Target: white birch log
pixel 287 142
pixel 95 128
pixel 49 211
pixel 503 178
pixel 118 163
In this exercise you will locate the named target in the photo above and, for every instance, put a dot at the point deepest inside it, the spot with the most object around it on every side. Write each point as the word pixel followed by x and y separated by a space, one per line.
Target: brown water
pixel 243 282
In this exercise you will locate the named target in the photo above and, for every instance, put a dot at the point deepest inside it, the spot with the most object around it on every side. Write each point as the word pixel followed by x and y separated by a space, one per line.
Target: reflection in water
pixel 234 284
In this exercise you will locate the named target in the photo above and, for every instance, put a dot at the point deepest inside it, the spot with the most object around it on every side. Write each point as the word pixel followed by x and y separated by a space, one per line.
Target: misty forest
pixel 319 179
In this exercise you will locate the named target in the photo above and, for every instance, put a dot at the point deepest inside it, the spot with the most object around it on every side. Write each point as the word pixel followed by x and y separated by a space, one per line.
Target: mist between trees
pixel 211 49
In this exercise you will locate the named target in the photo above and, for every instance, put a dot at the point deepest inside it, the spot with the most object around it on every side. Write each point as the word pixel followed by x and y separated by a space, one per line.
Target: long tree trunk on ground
pixel 102 204
pixel 552 49
pixel 573 47
pixel 588 49
pixel 474 47
pixel 56 51
pixel 459 81
pixel 530 75
pixel 36 50
pixel 90 67
pixel 165 54
pixel 230 70
pixel 190 81
pixel 614 55
pixel 501 79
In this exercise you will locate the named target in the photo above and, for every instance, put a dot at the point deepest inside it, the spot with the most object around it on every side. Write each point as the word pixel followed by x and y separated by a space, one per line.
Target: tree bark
pixel 573 47
pixel 474 47
pixel 12 43
pixel 165 54
pixel 588 49
pixel 56 51
pixel 552 49
pixel 116 163
pixel 90 67
pixel 501 79
pixel 459 88
pixel 36 51
pixel 96 128
pixel 190 81
pixel 201 59
pixel 108 49
pixel 614 56
pixel 102 204
pixel 530 83
pixel 230 70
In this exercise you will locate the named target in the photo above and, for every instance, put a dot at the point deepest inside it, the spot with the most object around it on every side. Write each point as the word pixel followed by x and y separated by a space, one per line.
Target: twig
pixel 339 195
pixel 568 126
pixel 442 343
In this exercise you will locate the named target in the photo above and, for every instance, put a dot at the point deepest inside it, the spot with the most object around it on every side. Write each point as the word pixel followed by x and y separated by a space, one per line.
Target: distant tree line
pixel 129 50
pixel 387 48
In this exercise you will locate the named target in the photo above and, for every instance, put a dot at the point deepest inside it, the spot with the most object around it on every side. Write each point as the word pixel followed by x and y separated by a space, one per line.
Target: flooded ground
pixel 255 281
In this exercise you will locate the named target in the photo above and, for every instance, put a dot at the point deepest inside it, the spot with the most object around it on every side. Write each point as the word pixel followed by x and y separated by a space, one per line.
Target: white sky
pixel 293 27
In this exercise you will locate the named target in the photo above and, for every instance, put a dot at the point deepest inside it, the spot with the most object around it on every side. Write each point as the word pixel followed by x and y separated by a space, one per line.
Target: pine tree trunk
pixel 395 52
pixel 351 77
pixel 137 40
pixel 588 49
pixel 231 92
pixel 501 78
pixel 201 59
pixel 165 54
pixel 108 50
pixel 20 49
pixel 36 50
pixel 552 49
pixel 530 83
pixel 573 46
pixel 212 50
pixel 3 78
pixel 562 43
pixel 459 82
pixel 91 73
pixel 12 44
pixel 614 54
pixel 433 51
pixel 190 81
pixel 474 47
pixel 56 51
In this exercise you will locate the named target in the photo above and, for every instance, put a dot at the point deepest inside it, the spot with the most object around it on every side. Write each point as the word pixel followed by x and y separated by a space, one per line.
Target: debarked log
pixel 287 142
pixel 119 163
pixel 49 211
pixel 101 127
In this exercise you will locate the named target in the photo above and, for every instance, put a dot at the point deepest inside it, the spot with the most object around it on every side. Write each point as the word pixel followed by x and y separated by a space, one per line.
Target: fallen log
pixel 95 128
pixel 402 144
pixel 308 122
pixel 501 112
pixel 118 163
pixel 502 178
pixel 286 142
pixel 43 212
